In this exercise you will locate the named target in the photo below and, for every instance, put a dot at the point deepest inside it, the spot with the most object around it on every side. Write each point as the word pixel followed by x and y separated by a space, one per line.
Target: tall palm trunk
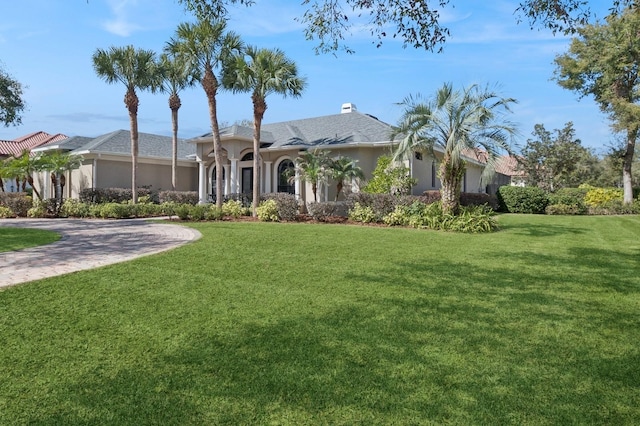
pixel 174 104
pixel 210 86
pixel 33 187
pixel 131 101
pixel 451 178
pixel 259 108
pixel 627 184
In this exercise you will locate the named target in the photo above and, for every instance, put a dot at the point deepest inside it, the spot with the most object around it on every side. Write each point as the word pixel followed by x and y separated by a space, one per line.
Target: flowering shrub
pixel 598 197
pixel 268 211
pixel 234 208
pixel 363 214
pixel 287 205
pixel 6 212
pixel 18 202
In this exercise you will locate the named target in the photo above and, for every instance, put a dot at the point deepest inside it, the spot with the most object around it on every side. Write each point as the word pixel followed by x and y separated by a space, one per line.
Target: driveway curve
pixel 87 244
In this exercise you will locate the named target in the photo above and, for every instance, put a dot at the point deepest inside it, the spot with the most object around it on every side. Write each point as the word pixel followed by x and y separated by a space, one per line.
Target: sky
pixel 47 45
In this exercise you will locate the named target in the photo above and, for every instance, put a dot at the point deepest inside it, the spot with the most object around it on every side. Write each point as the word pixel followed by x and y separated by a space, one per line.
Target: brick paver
pixel 87 244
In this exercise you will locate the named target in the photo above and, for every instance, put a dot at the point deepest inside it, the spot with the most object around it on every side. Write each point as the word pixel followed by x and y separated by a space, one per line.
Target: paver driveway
pixel 87 244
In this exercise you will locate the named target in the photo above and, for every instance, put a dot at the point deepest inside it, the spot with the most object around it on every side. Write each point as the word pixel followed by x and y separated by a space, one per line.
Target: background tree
pixel 558 160
pixel 207 44
pixel 11 103
pixel 390 177
pixel 137 70
pixel 455 122
pixel 417 23
pixel 22 169
pixel 344 168
pixel 178 74
pixel 312 167
pixel 603 62
pixel 262 72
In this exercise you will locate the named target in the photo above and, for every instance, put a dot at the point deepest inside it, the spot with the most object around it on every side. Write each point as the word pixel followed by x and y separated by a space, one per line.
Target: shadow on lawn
pixel 435 341
pixel 542 229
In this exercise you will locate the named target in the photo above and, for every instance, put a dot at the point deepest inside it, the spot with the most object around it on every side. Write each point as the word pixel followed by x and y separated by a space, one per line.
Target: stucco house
pixel 107 163
pixel 349 133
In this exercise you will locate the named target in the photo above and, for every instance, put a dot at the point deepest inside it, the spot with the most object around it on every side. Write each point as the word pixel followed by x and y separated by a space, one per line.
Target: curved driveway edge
pixel 87 244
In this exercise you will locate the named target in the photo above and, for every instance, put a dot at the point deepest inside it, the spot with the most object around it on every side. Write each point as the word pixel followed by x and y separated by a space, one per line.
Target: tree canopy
pixel 11 103
pixel 416 23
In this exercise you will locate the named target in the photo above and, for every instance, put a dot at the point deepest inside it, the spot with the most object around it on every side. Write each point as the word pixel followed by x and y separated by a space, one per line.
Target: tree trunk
pixel 35 191
pixel 339 189
pixel 259 108
pixel 174 104
pixel 132 102
pixel 451 179
pixel 627 183
pixel 210 86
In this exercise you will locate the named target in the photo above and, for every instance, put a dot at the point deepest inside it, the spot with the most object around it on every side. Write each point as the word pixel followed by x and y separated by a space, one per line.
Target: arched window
pixel 286 170
pixel 247 157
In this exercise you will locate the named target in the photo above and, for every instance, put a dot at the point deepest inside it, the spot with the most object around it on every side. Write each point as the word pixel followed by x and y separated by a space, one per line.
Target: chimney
pixel 348 107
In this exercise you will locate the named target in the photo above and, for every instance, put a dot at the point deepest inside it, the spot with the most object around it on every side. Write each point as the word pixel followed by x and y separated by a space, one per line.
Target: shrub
pixel 321 211
pixel 114 211
pixel 6 212
pixel 565 209
pixel 182 211
pixel 245 199
pixel 114 195
pixel 363 214
pixel 268 211
pixel 178 197
pixel 615 207
pixel 18 202
pixel 479 199
pixel 287 205
pixel 212 212
pixel 74 208
pixel 519 199
pixel 37 211
pixel 234 208
pixel 198 212
pixel 390 178
pixel 599 197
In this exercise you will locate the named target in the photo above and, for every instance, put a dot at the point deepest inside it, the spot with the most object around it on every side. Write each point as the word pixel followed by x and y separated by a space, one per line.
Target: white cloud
pixel 121 24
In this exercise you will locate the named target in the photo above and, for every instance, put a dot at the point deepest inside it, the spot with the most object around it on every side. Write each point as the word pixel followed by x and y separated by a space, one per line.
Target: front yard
pixel 266 323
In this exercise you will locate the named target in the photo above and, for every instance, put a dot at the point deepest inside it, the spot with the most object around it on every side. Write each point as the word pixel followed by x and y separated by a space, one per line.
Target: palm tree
pixel 262 72
pixel 57 163
pixel 312 167
pixel 178 74
pixel 136 69
pixel 344 168
pixel 455 123
pixel 22 169
pixel 208 45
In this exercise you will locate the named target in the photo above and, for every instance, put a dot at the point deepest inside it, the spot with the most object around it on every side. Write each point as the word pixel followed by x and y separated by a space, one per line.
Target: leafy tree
pixel 137 70
pixel 208 45
pixel 454 122
pixel 178 74
pixel 262 72
pixel 390 177
pixel 603 62
pixel 58 163
pixel 11 103
pixel 313 167
pixel 611 167
pixel 554 162
pixel 344 168
pixel 417 23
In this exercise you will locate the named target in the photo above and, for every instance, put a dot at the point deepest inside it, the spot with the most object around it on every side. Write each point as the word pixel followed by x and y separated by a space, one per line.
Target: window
pixel 433 174
pixel 417 155
pixel 286 170
pixel 213 181
pixel 247 157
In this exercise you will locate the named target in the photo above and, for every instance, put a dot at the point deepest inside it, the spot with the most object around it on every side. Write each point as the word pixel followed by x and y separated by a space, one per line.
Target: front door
pixel 247 180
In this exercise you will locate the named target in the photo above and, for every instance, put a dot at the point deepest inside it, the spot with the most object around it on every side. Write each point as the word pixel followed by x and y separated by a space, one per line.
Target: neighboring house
pixel 508 171
pixel 350 133
pixel 107 163
pixel 16 147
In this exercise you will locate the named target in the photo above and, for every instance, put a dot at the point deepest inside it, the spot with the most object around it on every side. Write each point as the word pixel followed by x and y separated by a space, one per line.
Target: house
pixel 16 147
pixel 348 133
pixel 107 163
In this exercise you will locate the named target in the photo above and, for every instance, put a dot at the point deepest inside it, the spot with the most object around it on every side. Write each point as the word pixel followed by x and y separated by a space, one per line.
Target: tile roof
pixel 508 165
pixel 28 142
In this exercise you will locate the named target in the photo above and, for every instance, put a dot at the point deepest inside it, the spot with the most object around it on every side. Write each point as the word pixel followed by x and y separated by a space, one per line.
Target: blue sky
pixel 47 45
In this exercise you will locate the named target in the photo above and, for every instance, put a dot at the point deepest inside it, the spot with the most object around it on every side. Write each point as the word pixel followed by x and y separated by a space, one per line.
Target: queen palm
pixel 208 45
pixel 455 123
pixel 178 73
pixel 137 70
pixel 344 168
pixel 262 72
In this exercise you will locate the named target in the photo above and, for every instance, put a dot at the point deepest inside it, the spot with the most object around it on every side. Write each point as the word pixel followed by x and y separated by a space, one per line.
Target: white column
pixel 94 177
pixel 202 182
pixel 297 184
pixel 267 176
pixel 234 176
pixel 227 180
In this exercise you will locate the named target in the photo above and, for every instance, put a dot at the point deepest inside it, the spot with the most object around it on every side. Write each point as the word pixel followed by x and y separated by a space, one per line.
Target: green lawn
pixel 16 238
pixel 260 323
